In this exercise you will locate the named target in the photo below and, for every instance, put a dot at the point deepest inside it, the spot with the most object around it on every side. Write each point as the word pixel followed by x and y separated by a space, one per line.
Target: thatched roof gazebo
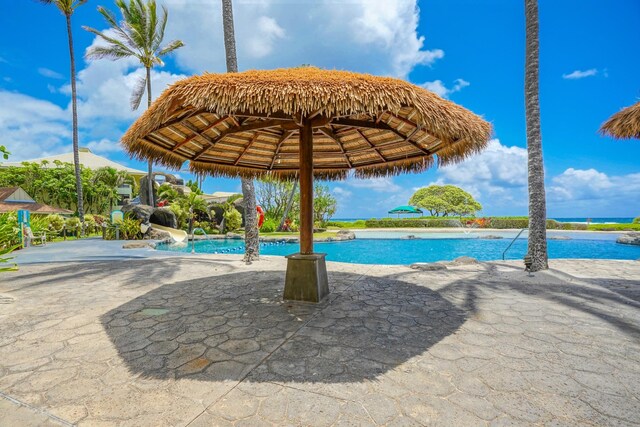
pixel 303 122
pixel 623 125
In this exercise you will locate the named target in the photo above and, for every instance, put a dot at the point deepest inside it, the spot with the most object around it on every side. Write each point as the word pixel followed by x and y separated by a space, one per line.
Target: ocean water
pixel 604 220
pixel 407 251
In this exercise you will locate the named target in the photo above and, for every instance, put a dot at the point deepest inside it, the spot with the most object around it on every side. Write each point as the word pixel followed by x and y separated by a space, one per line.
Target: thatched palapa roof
pixel 247 124
pixel 624 124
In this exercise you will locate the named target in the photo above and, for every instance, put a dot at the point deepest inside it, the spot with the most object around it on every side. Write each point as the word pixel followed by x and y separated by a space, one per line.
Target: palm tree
pixel 251 233
pixel 67 7
pixel 537 249
pixel 140 36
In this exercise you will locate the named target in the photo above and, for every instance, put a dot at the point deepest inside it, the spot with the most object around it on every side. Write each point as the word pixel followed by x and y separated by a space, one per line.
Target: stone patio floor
pixel 206 340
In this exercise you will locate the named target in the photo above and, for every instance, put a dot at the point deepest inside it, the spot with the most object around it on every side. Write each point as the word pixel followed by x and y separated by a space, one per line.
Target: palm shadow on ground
pixel 223 327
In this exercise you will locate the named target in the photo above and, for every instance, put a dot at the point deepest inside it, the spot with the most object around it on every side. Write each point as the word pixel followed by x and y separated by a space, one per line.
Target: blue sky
pixel 471 52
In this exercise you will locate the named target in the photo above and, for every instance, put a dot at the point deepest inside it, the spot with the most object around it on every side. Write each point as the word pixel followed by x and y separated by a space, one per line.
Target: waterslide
pixel 177 235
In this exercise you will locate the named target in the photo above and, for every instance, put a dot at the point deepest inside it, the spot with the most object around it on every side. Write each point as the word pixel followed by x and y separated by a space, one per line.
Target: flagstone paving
pixel 206 340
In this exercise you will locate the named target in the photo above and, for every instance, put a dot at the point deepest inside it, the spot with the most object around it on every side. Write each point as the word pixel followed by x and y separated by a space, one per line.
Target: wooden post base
pixel 306 278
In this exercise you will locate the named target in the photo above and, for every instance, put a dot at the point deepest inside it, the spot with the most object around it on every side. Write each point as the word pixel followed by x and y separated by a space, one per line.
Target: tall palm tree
pixel 67 7
pixel 537 249
pixel 139 36
pixel 251 233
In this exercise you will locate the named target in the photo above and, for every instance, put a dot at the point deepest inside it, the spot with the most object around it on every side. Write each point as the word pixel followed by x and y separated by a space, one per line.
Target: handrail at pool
pixel 510 244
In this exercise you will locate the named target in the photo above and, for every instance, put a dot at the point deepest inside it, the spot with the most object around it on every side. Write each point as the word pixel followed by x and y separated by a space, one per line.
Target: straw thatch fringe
pixel 328 174
pixel 306 91
pixel 624 124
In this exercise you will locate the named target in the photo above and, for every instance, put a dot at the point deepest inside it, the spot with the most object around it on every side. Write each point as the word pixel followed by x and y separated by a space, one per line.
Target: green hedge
pixel 411 223
pixel 499 223
pixel 614 227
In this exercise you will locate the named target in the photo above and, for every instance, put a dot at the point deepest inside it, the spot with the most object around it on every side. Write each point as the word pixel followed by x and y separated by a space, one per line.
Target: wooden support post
pixel 306 278
pixel 306 187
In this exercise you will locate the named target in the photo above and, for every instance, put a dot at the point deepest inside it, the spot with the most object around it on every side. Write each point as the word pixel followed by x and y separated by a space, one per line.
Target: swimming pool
pixel 407 251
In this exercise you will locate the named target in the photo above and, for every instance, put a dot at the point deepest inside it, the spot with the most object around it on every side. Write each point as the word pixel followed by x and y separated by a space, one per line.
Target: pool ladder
pixel 193 240
pixel 510 244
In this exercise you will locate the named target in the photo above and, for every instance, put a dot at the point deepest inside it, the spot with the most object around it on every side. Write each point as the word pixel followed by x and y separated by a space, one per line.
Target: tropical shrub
pixel 636 220
pixel 89 224
pixel 73 225
pixel 232 219
pixel 55 222
pixel 269 226
pixel 130 229
pixel 8 230
pixel 39 224
pixel 8 240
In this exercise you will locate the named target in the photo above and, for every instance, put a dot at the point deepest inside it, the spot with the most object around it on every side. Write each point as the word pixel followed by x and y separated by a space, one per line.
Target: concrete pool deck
pixel 206 340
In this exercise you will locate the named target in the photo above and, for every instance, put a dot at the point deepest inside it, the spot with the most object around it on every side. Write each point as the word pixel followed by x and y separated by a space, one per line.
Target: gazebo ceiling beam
pixel 286 135
pixel 180 120
pixel 255 137
pixel 199 132
pixel 371 145
pixel 254 126
pixel 280 116
pixel 328 132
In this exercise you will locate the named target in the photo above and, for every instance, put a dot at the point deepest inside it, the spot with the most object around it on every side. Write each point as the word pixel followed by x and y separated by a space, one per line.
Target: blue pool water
pixel 402 251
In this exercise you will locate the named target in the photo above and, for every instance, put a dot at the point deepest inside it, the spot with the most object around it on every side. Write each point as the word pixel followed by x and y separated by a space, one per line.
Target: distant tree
pixel 273 195
pixel 445 200
pixel 324 204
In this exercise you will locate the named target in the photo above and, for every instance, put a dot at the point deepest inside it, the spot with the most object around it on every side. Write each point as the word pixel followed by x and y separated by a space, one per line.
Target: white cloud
pixel 50 73
pixel 375 36
pixel 590 184
pixel 578 74
pixel 32 127
pixel 341 192
pixel 594 193
pixel 267 33
pixel 439 88
pixel 379 185
pixel 104 146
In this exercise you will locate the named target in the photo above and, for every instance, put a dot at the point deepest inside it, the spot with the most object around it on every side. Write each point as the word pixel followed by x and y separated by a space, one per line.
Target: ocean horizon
pixel 583 220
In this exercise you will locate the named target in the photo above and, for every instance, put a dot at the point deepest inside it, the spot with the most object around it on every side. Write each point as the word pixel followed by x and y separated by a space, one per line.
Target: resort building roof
pixel 15 198
pixel 87 159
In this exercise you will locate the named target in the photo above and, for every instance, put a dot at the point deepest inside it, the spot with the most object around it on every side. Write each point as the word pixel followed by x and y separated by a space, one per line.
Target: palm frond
pixel 152 21
pixel 109 52
pixel 159 36
pixel 138 91
pixel 113 23
pixel 111 40
pixel 171 47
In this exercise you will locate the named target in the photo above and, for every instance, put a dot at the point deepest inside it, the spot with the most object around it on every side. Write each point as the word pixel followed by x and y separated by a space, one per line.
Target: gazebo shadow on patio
pixel 229 326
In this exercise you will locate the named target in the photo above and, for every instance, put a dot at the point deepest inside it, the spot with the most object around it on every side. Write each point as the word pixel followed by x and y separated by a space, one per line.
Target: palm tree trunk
pixel 152 202
pixel 537 202
pixel 285 214
pixel 251 232
pixel 74 109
